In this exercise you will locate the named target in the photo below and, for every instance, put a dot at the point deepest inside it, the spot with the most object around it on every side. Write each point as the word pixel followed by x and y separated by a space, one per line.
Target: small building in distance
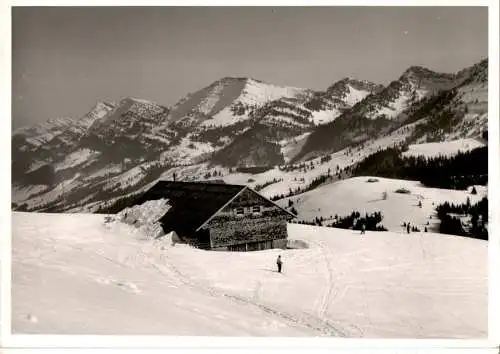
pixel 219 216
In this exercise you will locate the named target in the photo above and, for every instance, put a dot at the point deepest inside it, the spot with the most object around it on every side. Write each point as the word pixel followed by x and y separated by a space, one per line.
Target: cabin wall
pixel 239 227
pixel 200 239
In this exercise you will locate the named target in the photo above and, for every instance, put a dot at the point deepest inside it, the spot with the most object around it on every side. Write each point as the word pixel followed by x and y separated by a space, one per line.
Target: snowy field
pixel 343 197
pixel 77 158
pixel 73 273
pixel 445 148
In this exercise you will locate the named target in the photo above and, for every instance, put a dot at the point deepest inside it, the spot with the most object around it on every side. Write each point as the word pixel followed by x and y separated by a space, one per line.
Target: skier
pixel 408 227
pixel 279 263
pixel 362 228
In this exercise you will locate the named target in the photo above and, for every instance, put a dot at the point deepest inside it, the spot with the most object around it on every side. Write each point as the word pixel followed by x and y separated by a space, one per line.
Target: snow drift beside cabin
pixel 146 217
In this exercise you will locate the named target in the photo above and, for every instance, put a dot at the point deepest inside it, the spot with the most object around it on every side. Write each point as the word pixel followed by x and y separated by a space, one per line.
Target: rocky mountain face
pixel 445 105
pixel 119 147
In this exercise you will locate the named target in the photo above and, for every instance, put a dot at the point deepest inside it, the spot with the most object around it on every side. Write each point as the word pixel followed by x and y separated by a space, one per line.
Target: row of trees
pixel 452 224
pixel 355 221
pixel 214 173
pixel 259 187
pixel 352 221
pixel 456 172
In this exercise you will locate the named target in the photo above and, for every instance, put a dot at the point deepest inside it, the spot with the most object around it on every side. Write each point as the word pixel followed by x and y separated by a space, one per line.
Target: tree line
pixel 456 172
pixel 452 224
pixel 352 221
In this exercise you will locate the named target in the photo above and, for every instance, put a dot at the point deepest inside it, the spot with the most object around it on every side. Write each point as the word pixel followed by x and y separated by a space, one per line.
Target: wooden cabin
pixel 220 216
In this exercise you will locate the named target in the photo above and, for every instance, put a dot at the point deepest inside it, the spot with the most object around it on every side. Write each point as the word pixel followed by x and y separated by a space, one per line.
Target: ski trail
pixel 332 292
pixel 317 324
pixel 330 288
pixel 162 263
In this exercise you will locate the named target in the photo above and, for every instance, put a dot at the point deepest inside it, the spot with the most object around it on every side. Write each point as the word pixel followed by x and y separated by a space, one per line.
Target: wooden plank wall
pixel 228 228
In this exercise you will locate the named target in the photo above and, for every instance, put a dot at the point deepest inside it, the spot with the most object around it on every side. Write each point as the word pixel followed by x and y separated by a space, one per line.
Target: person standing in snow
pixel 362 228
pixel 408 227
pixel 279 263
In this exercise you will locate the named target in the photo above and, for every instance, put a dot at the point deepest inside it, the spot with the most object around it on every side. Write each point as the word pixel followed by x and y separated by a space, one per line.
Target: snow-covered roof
pixel 193 203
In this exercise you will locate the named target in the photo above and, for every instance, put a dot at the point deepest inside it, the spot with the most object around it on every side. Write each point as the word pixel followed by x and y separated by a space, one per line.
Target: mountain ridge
pixel 238 122
pixel 390 108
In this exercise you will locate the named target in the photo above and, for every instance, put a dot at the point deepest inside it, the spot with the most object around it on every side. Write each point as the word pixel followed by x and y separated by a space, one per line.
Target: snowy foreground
pixel 75 274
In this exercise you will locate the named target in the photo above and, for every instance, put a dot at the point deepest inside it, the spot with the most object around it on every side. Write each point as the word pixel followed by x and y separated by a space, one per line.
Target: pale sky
pixel 65 59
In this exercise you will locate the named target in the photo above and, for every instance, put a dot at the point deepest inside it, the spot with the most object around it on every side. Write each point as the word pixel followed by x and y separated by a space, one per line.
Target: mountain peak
pixel 135 99
pixel 104 104
pixel 360 85
pixel 417 69
pixel 349 79
pixel 420 72
pixel 99 111
pixel 238 80
pixel 233 78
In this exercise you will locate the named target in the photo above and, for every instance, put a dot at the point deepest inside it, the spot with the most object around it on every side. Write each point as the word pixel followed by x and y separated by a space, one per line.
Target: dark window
pixel 240 211
pixel 256 209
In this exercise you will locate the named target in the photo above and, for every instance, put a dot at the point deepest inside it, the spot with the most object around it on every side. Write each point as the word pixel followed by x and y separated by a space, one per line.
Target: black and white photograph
pixel 250 171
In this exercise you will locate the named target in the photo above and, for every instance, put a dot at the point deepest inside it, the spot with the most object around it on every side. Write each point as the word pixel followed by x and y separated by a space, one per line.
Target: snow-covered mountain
pixel 101 109
pixel 46 132
pixel 319 107
pixel 118 148
pixel 441 103
pixel 116 132
pixel 415 83
pixel 351 91
pixel 278 122
pixel 229 101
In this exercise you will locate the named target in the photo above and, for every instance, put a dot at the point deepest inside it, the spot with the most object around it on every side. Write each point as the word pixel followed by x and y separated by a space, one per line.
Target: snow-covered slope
pixel 76 158
pixel 228 101
pixel 100 110
pixel 258 92
pixel 320 107
pixel 232 100
pixel 415 83
pixel 446 106
pixel 351 91
pixel 76 274
pixel 43 132
pixel 359 194
pixel 445 148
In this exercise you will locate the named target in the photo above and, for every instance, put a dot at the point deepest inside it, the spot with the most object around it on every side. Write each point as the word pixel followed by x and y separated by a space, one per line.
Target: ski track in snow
pixel 318 324
pixel 332 293
pixel 159 259
pixel 343 285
